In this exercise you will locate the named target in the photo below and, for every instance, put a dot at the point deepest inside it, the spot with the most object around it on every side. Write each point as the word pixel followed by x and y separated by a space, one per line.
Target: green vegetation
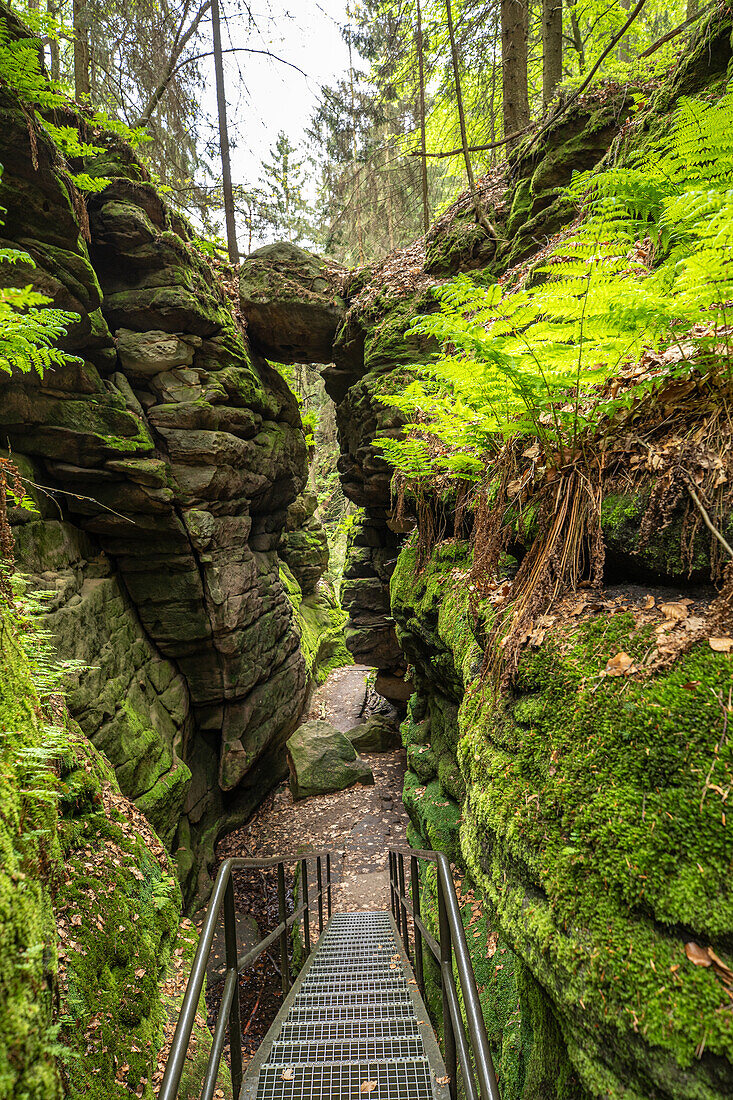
pixel 649 271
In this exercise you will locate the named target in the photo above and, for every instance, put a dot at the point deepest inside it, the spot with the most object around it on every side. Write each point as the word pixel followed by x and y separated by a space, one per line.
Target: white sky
pixel 265 96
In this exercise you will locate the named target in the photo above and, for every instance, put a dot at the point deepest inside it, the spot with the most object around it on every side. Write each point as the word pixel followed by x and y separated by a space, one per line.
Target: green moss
pixel 321 623
pixel 661 554
pixel 588 831
pixel 434 815
pixel 117 908
pixel 28 844
pixel 89 906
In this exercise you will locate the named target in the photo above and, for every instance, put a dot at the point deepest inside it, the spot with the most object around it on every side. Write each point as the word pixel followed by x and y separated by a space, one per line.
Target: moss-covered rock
pixel 320 621
pixel 322 759
pixel 90 904
pixel 594 826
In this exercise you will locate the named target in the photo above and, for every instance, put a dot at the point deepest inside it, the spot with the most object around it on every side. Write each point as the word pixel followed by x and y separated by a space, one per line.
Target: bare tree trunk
pixel 480 215
pixel 81 50
pixel 357 172
pixel 53 46
pixel 577 40
pixel 692 6
pixel 551 48
pixel 623 46
pixel 226 168
pixel 514 34
pixel 423 145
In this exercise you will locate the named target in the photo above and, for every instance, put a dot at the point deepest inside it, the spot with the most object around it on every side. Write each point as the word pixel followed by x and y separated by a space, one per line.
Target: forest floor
pixel 357 826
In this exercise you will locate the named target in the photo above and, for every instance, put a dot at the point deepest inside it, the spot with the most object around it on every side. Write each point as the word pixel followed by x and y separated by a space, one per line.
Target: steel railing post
pixel 306 901
pixel 284 964
pixel 328 884
pixel 319 875
pixel 405 926
pixel 235 1023
pixel 391 883
pixel 446 957
pixel 416 916
pixel 397 906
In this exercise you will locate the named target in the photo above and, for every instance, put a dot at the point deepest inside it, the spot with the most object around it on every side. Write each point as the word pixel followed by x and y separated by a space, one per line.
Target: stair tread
pixel 351 1019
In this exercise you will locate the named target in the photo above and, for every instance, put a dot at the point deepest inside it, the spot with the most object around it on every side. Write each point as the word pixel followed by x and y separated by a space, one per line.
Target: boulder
pixel 321 759
pixel 377 734
pixel 292 303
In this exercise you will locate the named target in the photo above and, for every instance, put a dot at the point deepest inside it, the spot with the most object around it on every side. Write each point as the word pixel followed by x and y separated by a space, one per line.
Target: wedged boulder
pixel 291 299
pixel 321 760
pixel 377 734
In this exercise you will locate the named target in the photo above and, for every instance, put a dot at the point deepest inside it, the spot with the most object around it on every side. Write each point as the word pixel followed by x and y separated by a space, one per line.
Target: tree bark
pixel 226 168
pixel 514 34
pixel 551 48
pixel 81 50
pixel 423 146
pixel 481 218
pixel 53 10
pixel 691 8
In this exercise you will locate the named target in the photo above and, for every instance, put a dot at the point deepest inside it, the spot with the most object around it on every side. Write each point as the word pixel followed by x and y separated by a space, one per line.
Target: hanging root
pixel 569 550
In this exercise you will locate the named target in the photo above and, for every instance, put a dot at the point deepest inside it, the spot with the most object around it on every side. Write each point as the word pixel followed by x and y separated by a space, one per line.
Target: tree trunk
pixel 577 40
pixel 514 34
pixel 423 146
pixel 53 10
pixel 692 6
pixel 551 48
pixel 226 169
pixel 481 218
pixel 81 50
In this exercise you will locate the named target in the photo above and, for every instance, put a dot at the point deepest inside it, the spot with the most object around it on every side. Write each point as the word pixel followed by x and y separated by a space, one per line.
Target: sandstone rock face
pixel 303 545
pixel 321 759
pixel 171 454
pixel 292 303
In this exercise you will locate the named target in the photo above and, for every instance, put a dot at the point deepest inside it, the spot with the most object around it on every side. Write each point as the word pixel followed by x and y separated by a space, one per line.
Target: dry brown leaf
pixel 721 968
pixel 721 645
pixel 619 665
pixel 287 1074
pixel 443 1080
pixel 674 610
pixel 368 1086
pixel 697 955
pixel 649 603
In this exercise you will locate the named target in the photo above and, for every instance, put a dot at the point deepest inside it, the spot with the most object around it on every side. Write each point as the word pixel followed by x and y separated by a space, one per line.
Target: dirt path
pixel 359 824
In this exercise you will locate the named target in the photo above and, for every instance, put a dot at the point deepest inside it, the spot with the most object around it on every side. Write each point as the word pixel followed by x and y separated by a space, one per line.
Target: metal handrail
pixel 451 940
pixel 222 898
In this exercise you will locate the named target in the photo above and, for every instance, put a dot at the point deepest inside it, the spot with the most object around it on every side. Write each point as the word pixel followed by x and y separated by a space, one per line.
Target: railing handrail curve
pixel 451 941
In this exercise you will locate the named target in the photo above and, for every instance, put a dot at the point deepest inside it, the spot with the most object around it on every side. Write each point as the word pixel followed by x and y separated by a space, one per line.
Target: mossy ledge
pixel 594 829
pixel 91 909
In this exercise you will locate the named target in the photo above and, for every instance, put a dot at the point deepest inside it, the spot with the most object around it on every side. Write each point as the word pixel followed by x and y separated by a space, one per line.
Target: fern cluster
pixel 648 267
pixel 29 328
pixel 21 69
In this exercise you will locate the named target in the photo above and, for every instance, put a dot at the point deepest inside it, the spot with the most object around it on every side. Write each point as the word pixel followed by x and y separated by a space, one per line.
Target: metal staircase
pixel 353 1025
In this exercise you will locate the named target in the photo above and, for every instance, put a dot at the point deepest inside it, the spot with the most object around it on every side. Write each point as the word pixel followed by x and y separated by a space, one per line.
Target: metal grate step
pixel 293 1032
pixel 394 1081
pixel 348 1050
pixel 350 1020
pixel 329 1011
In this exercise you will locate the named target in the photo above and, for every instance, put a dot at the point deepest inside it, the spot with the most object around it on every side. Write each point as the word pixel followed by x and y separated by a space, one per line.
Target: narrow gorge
pixel 172 561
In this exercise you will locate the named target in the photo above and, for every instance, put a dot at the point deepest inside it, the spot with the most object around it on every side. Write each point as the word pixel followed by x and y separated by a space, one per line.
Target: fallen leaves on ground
pixel 368 1086
pixel 721 645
